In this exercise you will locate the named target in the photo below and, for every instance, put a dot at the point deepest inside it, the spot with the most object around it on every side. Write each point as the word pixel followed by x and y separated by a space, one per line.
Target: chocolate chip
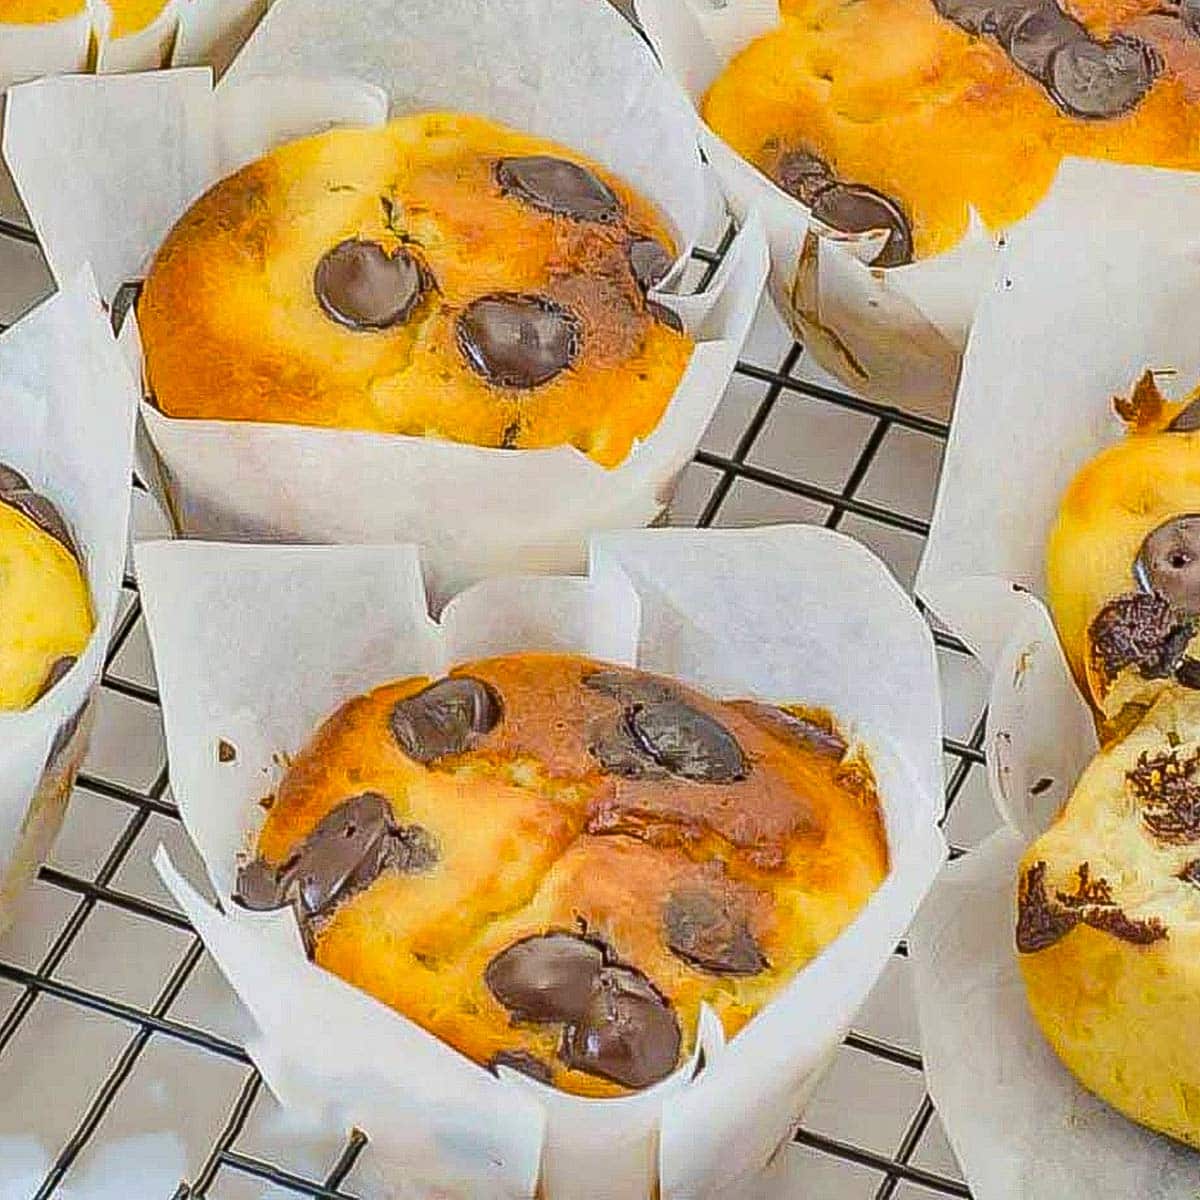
pixel 1187 420
pixel 1191 873
pixel 1036 35
pixel 262 887
pixel 1101 79
pixel 444 718
pixel 853 208
pixel 362 286
pixel 547 977
pixel 518 341
pixel 627 1033
pixel 57 673
pixel 557 186
pixel 226 751
pixel 650 261
pixel 1168 563
pixel 523 1061
pixel 803 175
pixel 664 315
pixel 1140 630
pixel 688 743
pixel 1188 673
pixel 820 738
pixel 345 852
pixel 973 16
pixel 1167 789
pixel 710 932
pixel 1040 922
pixel 411 850
pixel 629 687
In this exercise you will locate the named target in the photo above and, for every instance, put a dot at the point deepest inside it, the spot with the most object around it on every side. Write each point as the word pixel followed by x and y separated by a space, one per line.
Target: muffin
pixel 551 862
pixel 128 16
pixel 1108 922
pixel 43 595
pixel 904 115
pixel 1122 573
pixel 439 276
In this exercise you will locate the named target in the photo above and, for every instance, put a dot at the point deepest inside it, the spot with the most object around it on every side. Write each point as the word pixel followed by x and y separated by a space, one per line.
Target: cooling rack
pixel 123 1073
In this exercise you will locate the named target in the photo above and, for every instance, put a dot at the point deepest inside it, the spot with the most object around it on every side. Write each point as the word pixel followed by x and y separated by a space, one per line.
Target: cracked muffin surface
pixel 439 276
pixel 551 862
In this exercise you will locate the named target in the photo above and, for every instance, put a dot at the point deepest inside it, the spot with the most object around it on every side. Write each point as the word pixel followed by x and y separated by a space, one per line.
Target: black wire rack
pixel 708 497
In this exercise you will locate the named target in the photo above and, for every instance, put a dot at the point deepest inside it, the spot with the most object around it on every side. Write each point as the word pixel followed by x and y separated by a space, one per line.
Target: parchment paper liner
pixel 474 511
pixel 895 335
pixel 256 644
pixel 67 407
pixel 1079 311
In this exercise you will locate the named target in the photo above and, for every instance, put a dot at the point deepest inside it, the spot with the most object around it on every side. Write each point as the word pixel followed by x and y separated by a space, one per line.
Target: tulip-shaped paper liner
pixel 894 334
pixel 475 511
pixel 67 405
pixel 254 645
pixel 1081 309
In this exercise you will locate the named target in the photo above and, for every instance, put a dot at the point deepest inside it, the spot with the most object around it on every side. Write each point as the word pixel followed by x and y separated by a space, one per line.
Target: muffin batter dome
pixel 550 862
pixel 440 276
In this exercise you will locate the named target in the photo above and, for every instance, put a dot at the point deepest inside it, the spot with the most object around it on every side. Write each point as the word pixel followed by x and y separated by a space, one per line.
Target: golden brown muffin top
pixel 551 862
pixel 440 276
pixel 902 115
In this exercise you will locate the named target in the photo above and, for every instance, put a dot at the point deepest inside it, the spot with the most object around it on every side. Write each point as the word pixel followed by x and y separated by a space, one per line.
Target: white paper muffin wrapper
pixel 257 644
pixel 67 405
pixel 895 335
pixel 1079 311
pixel 133 152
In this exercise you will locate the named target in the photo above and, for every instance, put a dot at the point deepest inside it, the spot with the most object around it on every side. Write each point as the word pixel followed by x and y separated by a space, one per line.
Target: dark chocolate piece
pixel 344 853
pixel 411 850
pixel 630 688
pixel 1097 80
pixel 665 316
pixel 618 752
pixel 1188 673
pixel 362 286
pixel 1129 929
pixel 226 751
pixel 650 261
pixel 821 739
pixel 1169 563
pixel 1036 35
pixel 518 341
pixel 709 932
pixel 557 186
pixel 523 1061
pixel 853 208
pixel 1139 630
pixel 974 16
pixel 1168 790
pixel 627 1034
pixel 1040 922
pixel 1187 420
pixel 688 743
pixel 546 978
pixel 262 887
pixel 1191 873
pixel 803 175
pixel 445 718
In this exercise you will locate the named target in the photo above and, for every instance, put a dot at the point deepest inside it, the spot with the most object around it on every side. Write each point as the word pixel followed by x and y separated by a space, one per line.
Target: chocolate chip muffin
pixel 1123 560
pixel 903 115
pixel 1108 922
pixel 441 276
pixel 551 862
pixel 47 614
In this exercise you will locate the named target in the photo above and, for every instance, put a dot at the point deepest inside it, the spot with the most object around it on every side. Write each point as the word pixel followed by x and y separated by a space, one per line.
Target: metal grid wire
pixel 892 1174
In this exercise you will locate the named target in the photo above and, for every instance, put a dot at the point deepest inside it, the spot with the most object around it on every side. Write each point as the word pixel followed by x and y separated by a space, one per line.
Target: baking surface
pixel 122 1068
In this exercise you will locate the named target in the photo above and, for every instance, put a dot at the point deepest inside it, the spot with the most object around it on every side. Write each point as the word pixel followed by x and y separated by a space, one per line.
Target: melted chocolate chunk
pixel 665 316
pixel 1041 921
pixel 1188 673
pixel 1191 873
pixel 1036 35
pixel 226 751
pixel 517 341
pixel 687 742
pixel 1168 790
pixel 557 186
pixel 445 718
pixel 1139 630
pixel 362 286
pixel 821 739
pixel 1187 420
pixel 629 688
pixel 1169 563
pixel 803 175
pixel 709 932
pixel 346 852
pixel 523 1061
pixel 853 208
pixel 1101 79
pixel 546 978
pixel 650 261
pixel 627 1033
pixel 619 753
